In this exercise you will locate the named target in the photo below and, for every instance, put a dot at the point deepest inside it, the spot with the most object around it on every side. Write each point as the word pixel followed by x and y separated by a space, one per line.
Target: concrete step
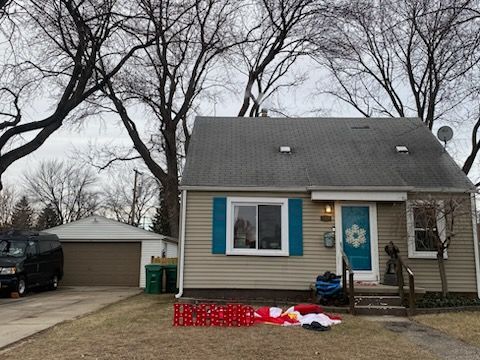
pixel 380 310
pixel 380 289
pixel 370 300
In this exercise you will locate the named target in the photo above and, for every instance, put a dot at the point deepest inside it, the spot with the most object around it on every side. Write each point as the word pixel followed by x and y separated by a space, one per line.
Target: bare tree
pixel 166 81
pixel 67 187
pixel 279 33
pixel 118 197
pixel 4 6
pixel 434 226
pixel 406 58
pixel 475 143
pixel 57 51
pixel 8 199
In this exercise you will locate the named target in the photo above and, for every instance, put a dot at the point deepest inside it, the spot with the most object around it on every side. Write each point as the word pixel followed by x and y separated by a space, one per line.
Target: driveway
pixel 23 317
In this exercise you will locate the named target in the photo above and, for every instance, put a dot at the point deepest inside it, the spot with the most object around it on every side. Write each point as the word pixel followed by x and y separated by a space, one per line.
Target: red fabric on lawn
pixel 334 317
pixel 262 315
pixel 304 309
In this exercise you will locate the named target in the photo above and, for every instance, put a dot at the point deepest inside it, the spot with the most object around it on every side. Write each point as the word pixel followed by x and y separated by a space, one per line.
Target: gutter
pixel 361 188
pixel 183 211
pixel 244 188
pixel 475 241
pixel 306 189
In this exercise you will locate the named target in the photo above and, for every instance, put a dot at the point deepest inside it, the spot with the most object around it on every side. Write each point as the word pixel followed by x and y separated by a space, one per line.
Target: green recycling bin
pixel 154 278
pixel 171 278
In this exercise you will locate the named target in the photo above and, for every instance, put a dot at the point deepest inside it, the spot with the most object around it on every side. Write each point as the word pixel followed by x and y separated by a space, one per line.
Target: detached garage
pixel 99 251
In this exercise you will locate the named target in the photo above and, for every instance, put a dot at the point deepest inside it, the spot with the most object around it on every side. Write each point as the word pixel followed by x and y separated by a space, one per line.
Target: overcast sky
pixel 70 140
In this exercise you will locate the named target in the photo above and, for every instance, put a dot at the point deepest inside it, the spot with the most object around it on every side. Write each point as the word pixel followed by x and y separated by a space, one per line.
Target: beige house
pixel 269 203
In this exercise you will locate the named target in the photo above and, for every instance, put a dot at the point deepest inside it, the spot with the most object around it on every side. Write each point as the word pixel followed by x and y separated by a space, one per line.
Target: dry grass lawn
pixel 141 328
pixel 462 325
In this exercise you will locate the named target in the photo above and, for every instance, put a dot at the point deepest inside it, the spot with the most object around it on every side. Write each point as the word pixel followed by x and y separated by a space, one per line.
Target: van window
pixel 44 246
pixel 54 245
pixel 31 249
pixel 12 248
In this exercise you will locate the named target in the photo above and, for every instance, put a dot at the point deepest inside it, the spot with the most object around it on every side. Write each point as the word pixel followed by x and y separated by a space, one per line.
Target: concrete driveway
pixel 23 317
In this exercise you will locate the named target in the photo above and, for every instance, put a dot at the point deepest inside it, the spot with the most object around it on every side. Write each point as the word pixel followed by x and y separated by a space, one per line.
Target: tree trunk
pixel 443 274
pixel 246 96
pixel 475 148
pixel 171 182
pixel 173 205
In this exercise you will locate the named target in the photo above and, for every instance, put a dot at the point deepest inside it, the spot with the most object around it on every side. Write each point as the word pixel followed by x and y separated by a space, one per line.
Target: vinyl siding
pixel 206 270
pixel 149 249
pixel 460 265
pixel 154 248
pixel 171 250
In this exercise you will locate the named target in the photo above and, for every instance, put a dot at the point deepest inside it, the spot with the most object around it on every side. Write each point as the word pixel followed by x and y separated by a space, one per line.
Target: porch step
pixel 381 310
pixel 383 290
pixel 369 300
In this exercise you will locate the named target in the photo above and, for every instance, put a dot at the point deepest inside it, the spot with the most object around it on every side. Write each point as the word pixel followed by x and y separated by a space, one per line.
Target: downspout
pixel 183 211
pixel 475 241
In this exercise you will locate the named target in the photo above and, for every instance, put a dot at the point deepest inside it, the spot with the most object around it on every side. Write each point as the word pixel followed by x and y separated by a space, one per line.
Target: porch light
pixel 328 209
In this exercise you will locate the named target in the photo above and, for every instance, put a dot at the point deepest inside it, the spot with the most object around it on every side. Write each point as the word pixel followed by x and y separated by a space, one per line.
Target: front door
pixel 358 238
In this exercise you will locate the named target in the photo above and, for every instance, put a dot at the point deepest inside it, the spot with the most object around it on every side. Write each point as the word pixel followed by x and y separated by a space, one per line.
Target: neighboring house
pixel 259 194
pixel 101 251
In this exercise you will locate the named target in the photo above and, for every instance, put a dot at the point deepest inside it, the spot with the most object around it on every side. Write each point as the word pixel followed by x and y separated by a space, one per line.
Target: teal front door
pixel 357 237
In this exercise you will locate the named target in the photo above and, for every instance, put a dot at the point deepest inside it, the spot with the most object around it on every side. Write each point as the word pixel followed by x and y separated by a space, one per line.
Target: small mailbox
pixel 329 239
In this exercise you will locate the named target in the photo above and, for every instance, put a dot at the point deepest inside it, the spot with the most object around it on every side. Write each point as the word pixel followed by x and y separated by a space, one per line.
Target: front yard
pixel 141 328
pixel 462 325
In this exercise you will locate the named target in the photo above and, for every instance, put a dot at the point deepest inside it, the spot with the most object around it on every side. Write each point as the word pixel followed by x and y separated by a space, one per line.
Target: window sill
pixel 432 255
pixel 257 253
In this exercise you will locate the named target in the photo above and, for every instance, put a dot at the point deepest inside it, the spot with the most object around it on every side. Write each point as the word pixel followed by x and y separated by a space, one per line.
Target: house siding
pixel 460 265
pixel 204 270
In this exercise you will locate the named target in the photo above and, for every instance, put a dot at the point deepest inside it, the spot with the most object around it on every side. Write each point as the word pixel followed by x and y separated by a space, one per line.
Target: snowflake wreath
pixel 355 236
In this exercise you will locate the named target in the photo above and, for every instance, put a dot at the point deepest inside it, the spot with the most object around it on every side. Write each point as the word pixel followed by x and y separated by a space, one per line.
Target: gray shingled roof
pixel 326 152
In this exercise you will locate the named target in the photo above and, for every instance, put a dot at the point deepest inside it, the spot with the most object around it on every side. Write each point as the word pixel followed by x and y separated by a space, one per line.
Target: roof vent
pixel 402 149
pixel 285 149
pixel 362 127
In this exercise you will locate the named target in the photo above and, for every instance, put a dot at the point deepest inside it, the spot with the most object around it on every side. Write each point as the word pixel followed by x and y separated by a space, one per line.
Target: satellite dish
pixel 445 133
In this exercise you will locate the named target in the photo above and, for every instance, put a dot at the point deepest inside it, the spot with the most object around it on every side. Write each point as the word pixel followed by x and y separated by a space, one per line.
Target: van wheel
pixel 54 283
pixel 21 286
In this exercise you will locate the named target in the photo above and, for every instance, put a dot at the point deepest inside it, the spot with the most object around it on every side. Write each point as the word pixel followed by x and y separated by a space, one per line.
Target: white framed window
pixel 257 226
pixel 425 226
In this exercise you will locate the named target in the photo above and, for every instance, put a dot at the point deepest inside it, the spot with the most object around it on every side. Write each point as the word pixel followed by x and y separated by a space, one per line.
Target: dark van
pixel 29 260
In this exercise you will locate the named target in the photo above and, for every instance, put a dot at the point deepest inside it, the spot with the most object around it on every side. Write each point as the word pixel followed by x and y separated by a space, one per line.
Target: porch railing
pixel 351 291
pixel 411 284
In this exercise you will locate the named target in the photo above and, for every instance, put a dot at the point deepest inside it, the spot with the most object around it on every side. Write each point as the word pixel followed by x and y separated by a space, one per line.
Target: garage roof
pixel 96 227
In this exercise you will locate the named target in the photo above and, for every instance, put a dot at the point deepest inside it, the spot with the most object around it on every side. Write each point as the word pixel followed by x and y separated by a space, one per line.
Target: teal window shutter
pixel 219 225
pixel 295 227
